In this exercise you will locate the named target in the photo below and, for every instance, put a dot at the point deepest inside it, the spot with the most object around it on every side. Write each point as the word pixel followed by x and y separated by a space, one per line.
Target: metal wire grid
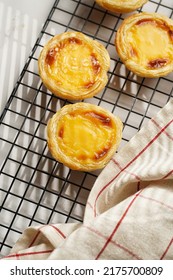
pixel 34 188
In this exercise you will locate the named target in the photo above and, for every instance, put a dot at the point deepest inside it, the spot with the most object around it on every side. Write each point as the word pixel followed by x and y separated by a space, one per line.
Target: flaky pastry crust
pixel 83 136
pixel 74 66
pixel 121 6
pixel 144 42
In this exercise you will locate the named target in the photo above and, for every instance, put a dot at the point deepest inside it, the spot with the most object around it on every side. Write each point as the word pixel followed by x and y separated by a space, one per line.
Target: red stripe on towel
pixel 136 157
pixel 17 256
pixel 169 245
pixel 118 225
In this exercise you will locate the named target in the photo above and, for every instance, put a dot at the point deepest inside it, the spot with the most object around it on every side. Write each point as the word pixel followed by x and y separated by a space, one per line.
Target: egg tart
pixel 74 66
pixel 144 42
pixel 83 136
pixel 121 6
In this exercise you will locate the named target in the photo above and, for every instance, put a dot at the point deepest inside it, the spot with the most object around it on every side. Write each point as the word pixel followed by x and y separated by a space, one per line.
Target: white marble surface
pixel 20 23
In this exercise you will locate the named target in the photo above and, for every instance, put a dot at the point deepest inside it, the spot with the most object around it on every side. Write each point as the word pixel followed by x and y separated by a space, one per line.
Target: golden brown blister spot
pixel 101 153
pixel 102 118
pixel 51 56
pixel 145 21
pixel 95 64
pixel 68 41
pixel 133 52
pixel 89 84
pixel 157 63
pixel 74 40
pixel 61 132
pixel 170 32
pixel 82 157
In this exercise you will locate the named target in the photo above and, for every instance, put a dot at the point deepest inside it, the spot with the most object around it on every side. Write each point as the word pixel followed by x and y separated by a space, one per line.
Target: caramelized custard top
pixel 86 135
pixel 150 43
pixel 73 63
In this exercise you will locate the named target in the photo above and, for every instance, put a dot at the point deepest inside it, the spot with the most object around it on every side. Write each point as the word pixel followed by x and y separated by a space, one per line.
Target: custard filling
pixel 150 43
pixel 72 63
pixel 85 136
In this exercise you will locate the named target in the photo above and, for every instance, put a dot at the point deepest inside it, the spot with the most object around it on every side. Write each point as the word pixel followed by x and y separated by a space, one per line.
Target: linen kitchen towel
pixel 129 212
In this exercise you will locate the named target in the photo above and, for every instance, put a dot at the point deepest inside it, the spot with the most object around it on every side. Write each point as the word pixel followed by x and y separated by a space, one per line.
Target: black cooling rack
pixel 34 188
